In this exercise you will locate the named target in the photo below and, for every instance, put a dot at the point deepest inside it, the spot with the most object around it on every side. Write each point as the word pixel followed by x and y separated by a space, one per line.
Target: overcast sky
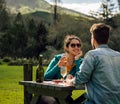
pixel 83 6
pixel 76 1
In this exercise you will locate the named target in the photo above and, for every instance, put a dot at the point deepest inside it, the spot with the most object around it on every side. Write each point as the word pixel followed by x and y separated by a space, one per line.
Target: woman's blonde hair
pixel 68 39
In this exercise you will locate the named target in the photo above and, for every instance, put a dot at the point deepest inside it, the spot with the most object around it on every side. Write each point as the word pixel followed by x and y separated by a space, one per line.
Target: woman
pixel 72 55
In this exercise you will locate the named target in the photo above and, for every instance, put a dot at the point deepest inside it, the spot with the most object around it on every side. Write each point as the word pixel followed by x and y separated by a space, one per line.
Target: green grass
pixel 10 90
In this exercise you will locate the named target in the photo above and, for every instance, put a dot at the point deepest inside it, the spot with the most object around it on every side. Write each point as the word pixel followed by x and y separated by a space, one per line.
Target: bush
pixel 18 61
pixel 7 59
pixel 21 61
pixel 14 62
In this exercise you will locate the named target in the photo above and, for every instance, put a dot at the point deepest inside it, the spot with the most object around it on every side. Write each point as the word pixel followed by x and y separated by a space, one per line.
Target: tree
pixel 55 9
pixel 19 35
pixel 119 4
pixel 106 12
pixel 4 28
pixel 31 43
pixel 4 16
pixel 31 27
pixel 40 39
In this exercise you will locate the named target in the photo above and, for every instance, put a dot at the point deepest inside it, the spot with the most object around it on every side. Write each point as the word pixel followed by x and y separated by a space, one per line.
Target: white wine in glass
pixel 63 71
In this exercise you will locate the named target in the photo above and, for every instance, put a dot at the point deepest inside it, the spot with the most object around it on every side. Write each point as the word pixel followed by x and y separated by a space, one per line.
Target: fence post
pixel 27 77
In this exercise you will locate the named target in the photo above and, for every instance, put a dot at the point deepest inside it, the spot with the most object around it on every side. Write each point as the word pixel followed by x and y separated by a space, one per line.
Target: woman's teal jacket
pixel 53 71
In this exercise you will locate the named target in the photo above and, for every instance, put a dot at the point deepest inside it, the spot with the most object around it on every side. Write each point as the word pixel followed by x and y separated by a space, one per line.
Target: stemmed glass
pixel 63 71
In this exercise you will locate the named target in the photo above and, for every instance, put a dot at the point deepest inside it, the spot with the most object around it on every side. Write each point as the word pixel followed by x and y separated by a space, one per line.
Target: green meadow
pixel 10 90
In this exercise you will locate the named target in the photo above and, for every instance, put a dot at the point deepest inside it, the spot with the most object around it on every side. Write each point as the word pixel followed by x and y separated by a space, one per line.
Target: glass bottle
pixel 40 70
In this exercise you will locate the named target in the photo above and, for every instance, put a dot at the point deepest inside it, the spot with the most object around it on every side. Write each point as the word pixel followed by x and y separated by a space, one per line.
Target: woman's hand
pixel 78 55
pixel 70 79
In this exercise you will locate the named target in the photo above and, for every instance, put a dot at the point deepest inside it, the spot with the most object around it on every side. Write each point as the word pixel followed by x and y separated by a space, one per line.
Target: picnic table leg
pixel 27 77
pixel 27 96
pixel 65 98
pixel 35 99
pixel 62 101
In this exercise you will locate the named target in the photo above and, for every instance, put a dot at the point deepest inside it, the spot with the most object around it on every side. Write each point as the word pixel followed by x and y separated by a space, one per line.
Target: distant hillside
pixel 30 6
pixel 30 3
pixel 27 6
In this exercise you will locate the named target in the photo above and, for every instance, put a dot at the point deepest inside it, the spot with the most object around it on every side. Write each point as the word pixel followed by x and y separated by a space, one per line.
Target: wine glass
pixel 63 71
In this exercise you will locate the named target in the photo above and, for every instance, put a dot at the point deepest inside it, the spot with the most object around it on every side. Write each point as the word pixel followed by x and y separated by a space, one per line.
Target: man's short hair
pixel 100 32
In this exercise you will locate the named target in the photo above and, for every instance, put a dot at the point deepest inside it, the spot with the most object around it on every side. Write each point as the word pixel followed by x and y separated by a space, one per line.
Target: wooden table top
pixel 47 84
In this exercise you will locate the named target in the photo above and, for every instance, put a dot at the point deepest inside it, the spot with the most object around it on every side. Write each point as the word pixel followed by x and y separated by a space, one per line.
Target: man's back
pixel 105 80
pixel 100 71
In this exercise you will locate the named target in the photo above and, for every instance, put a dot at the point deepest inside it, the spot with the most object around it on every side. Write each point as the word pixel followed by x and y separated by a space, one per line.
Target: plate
pixel 58 81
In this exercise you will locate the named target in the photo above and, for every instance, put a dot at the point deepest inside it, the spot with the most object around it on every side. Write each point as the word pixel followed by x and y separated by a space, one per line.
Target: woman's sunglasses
pixel 74 45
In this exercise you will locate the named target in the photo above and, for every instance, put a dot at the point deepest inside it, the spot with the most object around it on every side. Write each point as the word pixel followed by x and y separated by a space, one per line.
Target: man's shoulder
pixel 103 51
pixel 91 52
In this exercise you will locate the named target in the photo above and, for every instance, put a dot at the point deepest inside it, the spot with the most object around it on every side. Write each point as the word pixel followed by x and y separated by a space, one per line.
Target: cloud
pixel 83 7
pixel 80 1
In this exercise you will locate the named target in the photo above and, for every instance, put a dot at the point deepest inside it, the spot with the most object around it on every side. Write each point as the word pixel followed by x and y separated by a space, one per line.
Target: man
pixel 100 70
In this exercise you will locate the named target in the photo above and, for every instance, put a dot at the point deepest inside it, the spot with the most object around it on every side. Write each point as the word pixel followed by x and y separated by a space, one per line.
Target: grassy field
pixel 10 90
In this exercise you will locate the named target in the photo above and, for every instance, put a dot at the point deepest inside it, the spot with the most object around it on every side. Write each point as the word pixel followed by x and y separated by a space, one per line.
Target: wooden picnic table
pixel 47 88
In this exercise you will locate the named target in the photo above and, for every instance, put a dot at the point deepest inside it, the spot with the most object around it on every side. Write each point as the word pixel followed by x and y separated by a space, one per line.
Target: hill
pixel 70 22
pixel 30 6
pixel 27 6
